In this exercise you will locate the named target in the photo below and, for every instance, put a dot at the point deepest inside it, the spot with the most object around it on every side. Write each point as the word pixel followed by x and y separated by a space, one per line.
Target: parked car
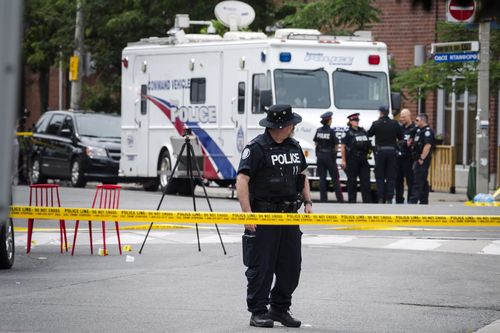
pixel 7 248
pixel 76 145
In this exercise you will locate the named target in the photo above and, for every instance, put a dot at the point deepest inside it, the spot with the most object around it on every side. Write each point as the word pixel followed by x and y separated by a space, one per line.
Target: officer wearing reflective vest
pixel 387 133
pixel 422 154
pixel 271 178
pixel 326 154
pixel 404 159
pixel 355 147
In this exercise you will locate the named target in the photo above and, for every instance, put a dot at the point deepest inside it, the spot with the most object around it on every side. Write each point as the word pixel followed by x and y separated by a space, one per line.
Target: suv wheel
pixel 36 176
pixel 6 244
pixel 77 179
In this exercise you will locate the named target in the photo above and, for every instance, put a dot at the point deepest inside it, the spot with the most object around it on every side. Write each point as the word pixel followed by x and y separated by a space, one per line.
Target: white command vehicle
pixel 219 86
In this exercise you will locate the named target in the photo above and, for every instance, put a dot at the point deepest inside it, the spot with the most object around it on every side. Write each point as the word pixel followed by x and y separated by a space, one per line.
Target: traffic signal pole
pixel 76 83
pixel 482 120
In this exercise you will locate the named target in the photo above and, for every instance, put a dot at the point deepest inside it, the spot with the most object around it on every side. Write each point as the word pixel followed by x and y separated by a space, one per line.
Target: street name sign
pixel 456 57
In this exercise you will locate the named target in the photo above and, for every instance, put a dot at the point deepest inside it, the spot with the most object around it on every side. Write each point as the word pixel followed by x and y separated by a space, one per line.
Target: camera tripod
pixel 190 160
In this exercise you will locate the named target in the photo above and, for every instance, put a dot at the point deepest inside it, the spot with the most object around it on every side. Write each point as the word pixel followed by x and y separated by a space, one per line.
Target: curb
pixel 494 327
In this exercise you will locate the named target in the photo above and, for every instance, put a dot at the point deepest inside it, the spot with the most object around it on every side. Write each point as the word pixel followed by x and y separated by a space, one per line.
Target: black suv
pixel 76 145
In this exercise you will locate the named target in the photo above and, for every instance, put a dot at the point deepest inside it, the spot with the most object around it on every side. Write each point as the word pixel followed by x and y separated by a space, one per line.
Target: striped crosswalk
pixel 484 245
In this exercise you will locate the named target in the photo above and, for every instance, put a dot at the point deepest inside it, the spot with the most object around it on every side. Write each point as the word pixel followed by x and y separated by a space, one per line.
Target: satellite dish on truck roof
pixel 234 14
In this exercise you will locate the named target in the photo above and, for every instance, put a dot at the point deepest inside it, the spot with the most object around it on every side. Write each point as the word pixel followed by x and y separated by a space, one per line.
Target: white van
pixel 219 87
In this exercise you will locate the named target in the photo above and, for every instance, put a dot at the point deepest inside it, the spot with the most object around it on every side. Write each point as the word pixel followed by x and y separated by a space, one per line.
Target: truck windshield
pixel 359 90
pixel 302 88
pixel 98 125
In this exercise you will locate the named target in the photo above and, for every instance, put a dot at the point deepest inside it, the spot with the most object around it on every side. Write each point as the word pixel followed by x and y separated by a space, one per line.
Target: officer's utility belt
pixel 276 207
pixel 386 148
pixel 357 153
pixel 325 150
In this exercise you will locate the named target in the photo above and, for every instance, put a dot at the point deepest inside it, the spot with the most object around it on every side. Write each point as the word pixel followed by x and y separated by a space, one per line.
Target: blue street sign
pixel 456 57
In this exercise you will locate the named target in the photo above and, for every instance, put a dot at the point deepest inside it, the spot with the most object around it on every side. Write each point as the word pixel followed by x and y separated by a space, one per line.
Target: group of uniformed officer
pixel 402 153
pixel 272 178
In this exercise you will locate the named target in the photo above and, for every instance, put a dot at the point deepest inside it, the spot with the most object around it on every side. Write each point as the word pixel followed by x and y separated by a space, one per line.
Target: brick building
pixel 401 27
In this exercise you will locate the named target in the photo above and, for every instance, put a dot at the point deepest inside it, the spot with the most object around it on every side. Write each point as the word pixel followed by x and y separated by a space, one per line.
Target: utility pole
pixel 76 80
pixel 482 125
pixel 10 50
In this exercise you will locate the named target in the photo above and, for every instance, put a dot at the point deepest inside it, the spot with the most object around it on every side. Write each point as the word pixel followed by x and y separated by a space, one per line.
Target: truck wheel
pixel 164 169
pixel 7 249
pixel 77 178
pixel 179 185
pixel 36 176
pixel 150 185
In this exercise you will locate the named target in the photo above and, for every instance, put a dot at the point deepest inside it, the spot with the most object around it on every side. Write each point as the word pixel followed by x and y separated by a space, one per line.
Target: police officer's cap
pixel 279 116
pixel 326 115
pixel 384 109
pixel 354 116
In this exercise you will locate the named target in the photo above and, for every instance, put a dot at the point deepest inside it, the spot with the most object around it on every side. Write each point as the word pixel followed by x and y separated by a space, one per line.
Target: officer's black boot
pixel 284 318
pixel 261 320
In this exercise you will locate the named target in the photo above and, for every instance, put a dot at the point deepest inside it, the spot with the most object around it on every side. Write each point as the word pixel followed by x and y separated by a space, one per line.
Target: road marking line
pixel 415 244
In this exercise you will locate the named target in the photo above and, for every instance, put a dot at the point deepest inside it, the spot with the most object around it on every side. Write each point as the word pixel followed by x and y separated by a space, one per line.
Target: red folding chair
pixel 109 198
pixel 42 195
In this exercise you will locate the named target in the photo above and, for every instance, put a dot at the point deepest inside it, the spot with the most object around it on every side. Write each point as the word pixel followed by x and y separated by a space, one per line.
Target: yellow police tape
pixel 127 215
pixel 24 133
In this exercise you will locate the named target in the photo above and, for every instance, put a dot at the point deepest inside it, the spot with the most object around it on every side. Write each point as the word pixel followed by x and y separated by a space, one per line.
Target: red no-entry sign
pixel 461 11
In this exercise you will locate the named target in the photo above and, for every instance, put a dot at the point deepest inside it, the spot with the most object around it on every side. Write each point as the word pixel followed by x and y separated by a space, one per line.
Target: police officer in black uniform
pixel 271 178
pixel 422 154
pixel 387 132
pixel 326 154
pixel 404 159
pixel 355 147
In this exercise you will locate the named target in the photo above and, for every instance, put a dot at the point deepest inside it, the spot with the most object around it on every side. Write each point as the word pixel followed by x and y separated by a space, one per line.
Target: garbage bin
pixel 471 182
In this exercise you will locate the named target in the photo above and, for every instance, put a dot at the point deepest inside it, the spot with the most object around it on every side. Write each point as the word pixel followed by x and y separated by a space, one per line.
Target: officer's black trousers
pixel 357 166
pixel 276 250
pixel 326 162
pixel 405 171
pixel 420 189
pixel 385 174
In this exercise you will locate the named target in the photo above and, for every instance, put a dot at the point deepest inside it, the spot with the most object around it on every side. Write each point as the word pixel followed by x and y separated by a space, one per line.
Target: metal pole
pixel 453 112
pixel 483 99
pixel 76 86
pixel 60 81
pixel 466 128
pixel 440 111
pixel 10 35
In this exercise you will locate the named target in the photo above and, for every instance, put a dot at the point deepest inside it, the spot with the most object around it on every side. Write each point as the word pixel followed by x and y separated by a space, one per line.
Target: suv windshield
pixel 98 125
pixel 359 90
pixel 302 88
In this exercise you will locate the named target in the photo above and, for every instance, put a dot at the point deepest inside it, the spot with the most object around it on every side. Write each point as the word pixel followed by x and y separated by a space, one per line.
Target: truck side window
pixel 197 93
pixel 144 101
pixel 241 97
pixel 55 124
pixel 259 83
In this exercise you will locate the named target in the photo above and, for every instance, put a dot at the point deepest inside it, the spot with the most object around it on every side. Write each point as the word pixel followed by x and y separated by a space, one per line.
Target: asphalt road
pixel 353 280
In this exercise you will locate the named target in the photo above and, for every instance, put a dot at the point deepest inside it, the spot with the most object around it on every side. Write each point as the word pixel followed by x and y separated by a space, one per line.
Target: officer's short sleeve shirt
pixel 345 138
pixel 252 159
pixel 427 136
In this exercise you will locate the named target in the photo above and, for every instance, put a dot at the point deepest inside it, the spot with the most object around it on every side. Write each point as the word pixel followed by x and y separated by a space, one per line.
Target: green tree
pixel 47 36
pixel 331 16
pixel 431 75
pixel 109 26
